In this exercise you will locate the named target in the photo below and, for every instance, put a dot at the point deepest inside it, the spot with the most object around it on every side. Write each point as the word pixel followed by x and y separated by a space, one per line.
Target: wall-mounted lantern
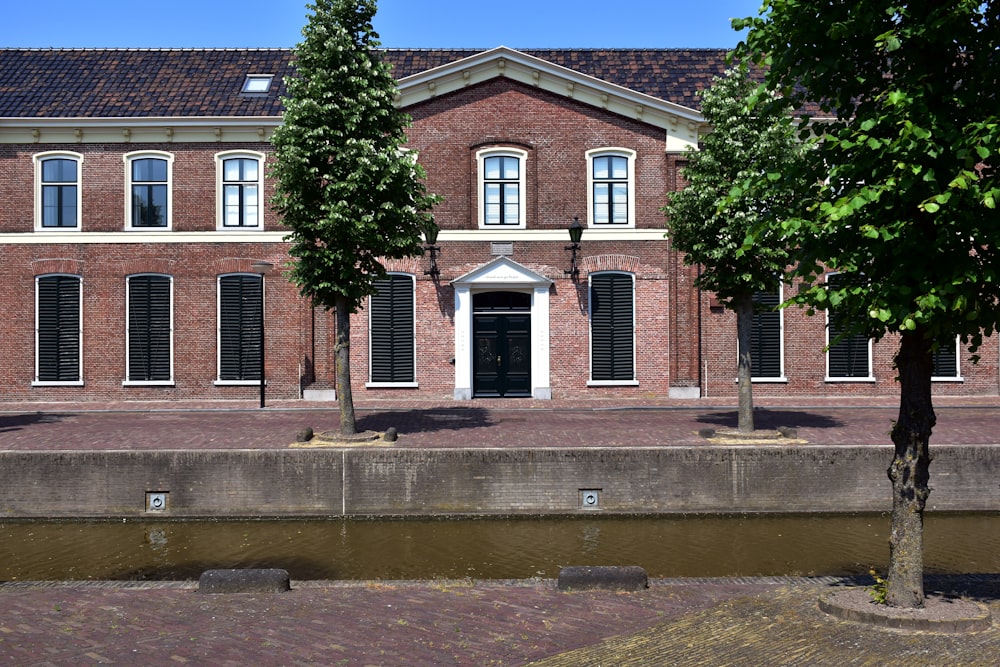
pixel 430 239
pixel 575 234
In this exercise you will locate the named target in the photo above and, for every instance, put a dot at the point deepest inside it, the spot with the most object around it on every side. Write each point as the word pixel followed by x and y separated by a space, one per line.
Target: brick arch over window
pixel 148 265
pixel 626 263
pixel 405 265
pixel 69 266
pixel 234 265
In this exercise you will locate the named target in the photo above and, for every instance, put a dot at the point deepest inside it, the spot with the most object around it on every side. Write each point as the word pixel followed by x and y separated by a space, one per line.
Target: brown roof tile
pixel 96 83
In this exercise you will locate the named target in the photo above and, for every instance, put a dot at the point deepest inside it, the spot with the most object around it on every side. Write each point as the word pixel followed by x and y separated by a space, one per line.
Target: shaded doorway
pixel 501 333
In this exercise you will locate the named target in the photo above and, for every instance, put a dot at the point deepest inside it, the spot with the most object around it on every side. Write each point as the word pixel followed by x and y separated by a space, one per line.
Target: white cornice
pixel 144 237
pixel 681 124
pixel 203 129
pixel 229 236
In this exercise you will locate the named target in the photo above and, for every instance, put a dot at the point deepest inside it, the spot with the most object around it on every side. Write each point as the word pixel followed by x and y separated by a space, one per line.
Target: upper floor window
pixel 502 188
pixel 57 198
pixel 240 188
pixel 149 193
pixel 611 187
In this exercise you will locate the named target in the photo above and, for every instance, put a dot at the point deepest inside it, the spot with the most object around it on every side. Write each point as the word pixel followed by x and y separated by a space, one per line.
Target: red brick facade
pixel 684 344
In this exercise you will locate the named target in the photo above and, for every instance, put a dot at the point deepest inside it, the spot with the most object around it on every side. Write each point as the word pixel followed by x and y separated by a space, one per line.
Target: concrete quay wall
pixel 392 482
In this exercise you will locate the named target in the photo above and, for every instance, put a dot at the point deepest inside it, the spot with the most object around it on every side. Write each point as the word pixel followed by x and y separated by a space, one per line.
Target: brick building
pixel 134 221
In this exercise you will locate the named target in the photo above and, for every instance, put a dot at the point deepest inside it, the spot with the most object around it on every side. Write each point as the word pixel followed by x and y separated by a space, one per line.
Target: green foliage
pixel 726 219
pixel 878 590
pixel 904 133
pixel 345 187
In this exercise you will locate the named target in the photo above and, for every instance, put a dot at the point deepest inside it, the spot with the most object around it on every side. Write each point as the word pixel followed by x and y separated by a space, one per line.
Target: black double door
pixel 502 354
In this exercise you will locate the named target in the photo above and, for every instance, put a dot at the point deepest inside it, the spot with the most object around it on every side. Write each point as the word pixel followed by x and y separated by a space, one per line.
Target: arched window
pixel 611 187
pixel 57 193
pixel 148 177
pixel 502 188
pixel 240 187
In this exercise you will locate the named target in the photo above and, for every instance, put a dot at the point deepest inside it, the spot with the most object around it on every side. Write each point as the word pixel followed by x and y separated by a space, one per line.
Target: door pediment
pixel 502 272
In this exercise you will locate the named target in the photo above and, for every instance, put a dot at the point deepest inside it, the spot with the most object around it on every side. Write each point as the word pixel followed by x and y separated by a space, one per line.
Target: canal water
pixel 488 548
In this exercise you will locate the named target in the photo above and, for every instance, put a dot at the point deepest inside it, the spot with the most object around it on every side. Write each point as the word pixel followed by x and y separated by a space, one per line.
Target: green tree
pixel 344 185
pixel 724 219
pixel 905 197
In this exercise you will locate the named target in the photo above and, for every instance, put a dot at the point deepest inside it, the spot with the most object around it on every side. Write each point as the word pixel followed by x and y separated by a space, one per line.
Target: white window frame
pixel 40 158
pixel 139 155
pixel 629 155
pixel 219 382
pixel 522 173
pixel 412 384
pixel 871 375
pixel 128 339
pixel 957 377
pixel 781 378
pixel 220 183
pixel 61 383
pixel 591 382
pixel 257 84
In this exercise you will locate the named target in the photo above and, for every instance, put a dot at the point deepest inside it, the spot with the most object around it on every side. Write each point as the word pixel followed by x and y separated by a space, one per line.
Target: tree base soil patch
pixel 940 613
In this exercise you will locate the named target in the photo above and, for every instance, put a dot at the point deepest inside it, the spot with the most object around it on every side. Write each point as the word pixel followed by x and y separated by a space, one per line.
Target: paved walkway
pixel 494 423
pixel 705 622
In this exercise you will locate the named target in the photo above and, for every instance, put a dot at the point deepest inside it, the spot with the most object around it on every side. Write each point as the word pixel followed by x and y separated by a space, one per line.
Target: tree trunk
pixel 342 351
pixel 909 471
pixel 743 305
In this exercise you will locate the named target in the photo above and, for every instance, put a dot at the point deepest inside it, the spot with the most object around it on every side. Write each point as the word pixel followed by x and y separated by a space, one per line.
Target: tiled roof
pixel 96 83
pixel 674 75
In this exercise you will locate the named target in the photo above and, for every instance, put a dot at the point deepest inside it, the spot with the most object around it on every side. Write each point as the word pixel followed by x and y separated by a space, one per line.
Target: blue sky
pixel 400 23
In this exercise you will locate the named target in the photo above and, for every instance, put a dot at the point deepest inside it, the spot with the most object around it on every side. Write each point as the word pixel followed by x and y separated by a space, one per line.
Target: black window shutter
pixel 849 357
pixel 392 330
pixel 765 338
pixel 149 328
pixel 58 329
pixel 946 359
pixel 239 327
pixel 611 327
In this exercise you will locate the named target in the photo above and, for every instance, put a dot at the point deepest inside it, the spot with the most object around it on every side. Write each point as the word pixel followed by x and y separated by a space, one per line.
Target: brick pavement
pixel 515 423
pixel 692 622
pixel 675 622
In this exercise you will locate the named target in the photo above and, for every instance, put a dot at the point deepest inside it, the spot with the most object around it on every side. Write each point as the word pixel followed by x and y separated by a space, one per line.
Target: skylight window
pixel 257 83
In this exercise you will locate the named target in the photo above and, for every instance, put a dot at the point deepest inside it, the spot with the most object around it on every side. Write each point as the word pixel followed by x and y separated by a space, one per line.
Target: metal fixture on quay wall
pixel 430 239
pixel 575 234
pixel 260 267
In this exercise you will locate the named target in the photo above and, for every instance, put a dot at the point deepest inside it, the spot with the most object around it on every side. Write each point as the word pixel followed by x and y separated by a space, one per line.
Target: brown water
pixel 690 546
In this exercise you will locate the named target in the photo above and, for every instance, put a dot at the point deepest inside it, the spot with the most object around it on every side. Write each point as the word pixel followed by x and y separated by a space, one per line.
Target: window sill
pixel 391 385
pixel 853 379
pixel 238 383
pixel 957 378
pixel 58 383
pixel 612 383
pixel 777 380
pixel 148 383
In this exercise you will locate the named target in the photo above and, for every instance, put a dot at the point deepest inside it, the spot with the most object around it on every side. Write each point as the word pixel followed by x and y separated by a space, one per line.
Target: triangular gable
pixel 680 123
pixel 502 271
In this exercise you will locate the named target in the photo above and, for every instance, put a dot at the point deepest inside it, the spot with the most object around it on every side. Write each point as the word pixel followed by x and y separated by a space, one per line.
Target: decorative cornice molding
pixel 680 124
